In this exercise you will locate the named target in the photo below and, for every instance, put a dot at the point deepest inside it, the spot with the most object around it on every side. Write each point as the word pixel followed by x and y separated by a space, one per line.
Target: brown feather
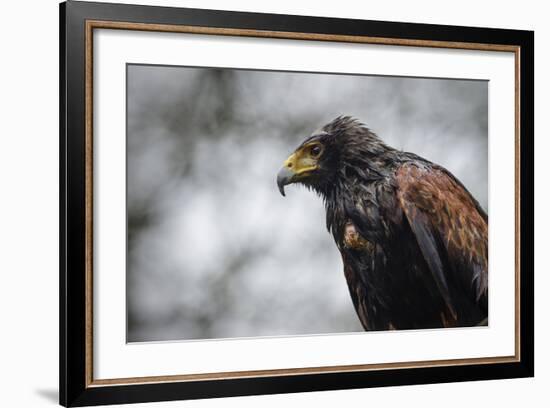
pixel 452 213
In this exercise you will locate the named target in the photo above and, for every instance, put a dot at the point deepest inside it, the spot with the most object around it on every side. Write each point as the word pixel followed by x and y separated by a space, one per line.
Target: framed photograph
pixel 256 203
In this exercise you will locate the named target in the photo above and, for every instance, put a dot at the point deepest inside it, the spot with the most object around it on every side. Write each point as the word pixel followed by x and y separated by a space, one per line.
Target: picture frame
pixel 79 21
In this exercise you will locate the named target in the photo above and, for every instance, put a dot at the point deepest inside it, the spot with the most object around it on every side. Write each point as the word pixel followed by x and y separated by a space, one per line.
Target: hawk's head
pixel 341 149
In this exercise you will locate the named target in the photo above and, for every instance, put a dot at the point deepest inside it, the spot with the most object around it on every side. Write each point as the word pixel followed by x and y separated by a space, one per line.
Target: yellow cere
pixel 301 161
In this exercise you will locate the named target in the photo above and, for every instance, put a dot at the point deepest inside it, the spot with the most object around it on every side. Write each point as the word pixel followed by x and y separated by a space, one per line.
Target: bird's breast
pixel 353 240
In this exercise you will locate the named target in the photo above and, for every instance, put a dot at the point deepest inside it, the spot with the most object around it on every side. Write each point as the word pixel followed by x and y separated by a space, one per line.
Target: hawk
pixel 413 240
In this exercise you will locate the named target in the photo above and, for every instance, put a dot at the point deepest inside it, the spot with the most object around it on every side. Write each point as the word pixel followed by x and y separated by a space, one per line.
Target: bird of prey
pixel 413 240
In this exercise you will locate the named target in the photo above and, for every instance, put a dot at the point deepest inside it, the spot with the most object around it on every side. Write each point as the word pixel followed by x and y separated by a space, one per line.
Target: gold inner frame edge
pixel 93 24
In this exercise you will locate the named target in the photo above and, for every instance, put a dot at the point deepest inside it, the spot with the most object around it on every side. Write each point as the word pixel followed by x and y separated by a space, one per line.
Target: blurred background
pixel 214 251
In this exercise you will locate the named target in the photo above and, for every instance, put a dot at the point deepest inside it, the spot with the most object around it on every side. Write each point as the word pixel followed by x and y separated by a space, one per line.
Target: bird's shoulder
pixel 440 209
pixel 433 189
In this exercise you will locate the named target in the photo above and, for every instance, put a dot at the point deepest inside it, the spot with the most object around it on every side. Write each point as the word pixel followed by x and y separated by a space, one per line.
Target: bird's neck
pixel 349 184
pixel 334 198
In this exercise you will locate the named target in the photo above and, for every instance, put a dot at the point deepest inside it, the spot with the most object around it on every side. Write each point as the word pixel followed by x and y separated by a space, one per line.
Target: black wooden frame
pixel 73 388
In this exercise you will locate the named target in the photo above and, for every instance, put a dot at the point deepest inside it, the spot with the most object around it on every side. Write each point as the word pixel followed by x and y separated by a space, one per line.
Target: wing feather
pixel 450 229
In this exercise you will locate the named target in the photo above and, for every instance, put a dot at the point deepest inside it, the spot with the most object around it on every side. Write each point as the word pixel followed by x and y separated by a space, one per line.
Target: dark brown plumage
pixel 413 240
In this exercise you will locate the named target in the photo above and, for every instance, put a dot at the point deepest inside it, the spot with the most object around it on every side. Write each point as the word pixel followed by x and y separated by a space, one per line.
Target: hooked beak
pixel 296 168
pixel 284 177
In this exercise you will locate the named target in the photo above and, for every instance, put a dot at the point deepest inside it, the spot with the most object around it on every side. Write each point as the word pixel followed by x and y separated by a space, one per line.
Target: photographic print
pixel 269 203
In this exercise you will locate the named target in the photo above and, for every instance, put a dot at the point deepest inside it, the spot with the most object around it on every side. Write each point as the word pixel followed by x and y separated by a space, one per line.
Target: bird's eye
pixel 315 150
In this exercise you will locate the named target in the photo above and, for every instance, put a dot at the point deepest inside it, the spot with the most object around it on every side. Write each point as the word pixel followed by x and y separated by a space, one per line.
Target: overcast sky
pixel 214 250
